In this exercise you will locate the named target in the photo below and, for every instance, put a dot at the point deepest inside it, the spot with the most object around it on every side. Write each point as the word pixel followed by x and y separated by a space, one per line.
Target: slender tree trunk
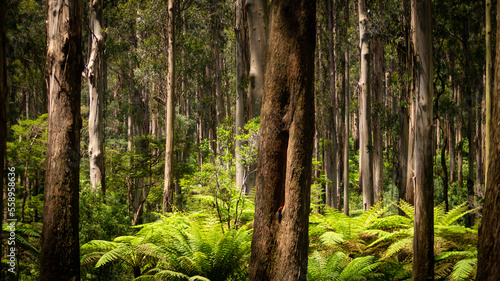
pixel 168 190
pixel 331 163
pixel 378 93
pixel 241 75
pixel 346 114
pixel 478 147
pixel 60 254
pixel 488 259
pixel 95 79
pixel 489 93
pixel 423 240
pixel 365 141
pixel 3 111
pixel 258 22
pixel 279 248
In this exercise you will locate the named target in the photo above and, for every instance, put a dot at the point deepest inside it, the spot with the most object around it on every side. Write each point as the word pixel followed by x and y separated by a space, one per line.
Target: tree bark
pixel 365 141
pixel 488 259
pixel 423 240
pixel 168 190
pixel 330 157
pixel 378 93
pixel 346 114
pixel 241 75
pixel 489 93
pixel 60 254
pixel 96 81
pixel 279 249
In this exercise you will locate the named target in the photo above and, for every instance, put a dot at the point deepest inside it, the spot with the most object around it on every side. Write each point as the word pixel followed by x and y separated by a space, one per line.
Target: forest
pixel 256 140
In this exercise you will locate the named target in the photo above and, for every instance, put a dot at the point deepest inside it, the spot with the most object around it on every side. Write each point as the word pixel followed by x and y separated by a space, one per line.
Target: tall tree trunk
pixel 489 93
pixel 258 25
pixel 60 254
pixel 279 247
pixel 378 94
pixel 488 250
pixel 3 109
pixel 365 141
pixel 423 240
pixel 168 190
pixel 241 75
pixel 96 81
pixel 478 145
pixel 330 158
pixel 346 113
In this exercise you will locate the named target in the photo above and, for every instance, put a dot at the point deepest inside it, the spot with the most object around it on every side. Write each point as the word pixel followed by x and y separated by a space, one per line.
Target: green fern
pixel 339 267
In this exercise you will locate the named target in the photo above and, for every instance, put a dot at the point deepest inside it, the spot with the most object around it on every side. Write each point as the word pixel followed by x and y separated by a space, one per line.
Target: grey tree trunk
pixel 60 253
pixel 241 75
pixel 365 140
pixel 346 115
pixel 168 189
pixel 423 240
pixel 95 71
pixel 378 94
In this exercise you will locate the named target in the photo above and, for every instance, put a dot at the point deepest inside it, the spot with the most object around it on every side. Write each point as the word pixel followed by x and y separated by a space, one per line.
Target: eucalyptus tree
pixel 423 241
pixel 282 200
pixel 96 80
pixel 365 138
pixel 60 253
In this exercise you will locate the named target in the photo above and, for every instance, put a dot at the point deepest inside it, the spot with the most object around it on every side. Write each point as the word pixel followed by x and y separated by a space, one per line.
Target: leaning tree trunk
pixel 96 82
pixel 168 190
pixel 488 250
pixel 365 142
pixel 60 254
pixel 280 245
pixel 423 240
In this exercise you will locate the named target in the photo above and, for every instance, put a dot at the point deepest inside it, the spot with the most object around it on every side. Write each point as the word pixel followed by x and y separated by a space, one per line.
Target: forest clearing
pixel 256 140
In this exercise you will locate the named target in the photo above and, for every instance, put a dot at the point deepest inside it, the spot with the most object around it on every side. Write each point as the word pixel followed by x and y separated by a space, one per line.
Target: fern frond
pixel 407 208
pixel 332 238
pixel 464 269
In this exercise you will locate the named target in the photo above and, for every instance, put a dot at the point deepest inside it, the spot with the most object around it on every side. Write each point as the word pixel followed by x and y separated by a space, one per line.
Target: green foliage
pixel 177 247
pixel 339 266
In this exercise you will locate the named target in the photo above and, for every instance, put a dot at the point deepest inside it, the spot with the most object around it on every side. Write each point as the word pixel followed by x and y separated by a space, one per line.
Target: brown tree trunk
pixel 423 240
pixel 365 140
pixel 489 93
pixel 279 248
pixel 96 81
pixel 488 259
pixel 168 190
pixel 60 254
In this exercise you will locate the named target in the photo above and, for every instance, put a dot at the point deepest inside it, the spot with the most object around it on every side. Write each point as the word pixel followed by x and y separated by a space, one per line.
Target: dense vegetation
pixel 124 233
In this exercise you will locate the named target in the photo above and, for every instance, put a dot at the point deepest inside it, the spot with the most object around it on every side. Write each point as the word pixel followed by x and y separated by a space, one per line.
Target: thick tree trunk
pixel 488 259
pixel 168 189
pixel 279 248
pixel 365 140
pixel 96 81
pixel 423 240
pixel 60 254
pixel 241 75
